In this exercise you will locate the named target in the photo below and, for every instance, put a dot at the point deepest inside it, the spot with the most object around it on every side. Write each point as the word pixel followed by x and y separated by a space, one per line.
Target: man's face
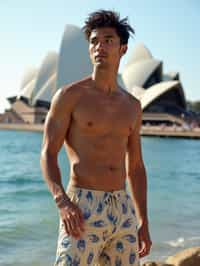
pixel 104 47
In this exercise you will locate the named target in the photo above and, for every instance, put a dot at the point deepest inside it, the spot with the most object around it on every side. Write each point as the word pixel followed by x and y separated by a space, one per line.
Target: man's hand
pixel 144 240
pixel 72 218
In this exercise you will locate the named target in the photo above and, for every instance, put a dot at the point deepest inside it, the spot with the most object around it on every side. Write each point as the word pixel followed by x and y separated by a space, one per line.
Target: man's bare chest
pixel 102 116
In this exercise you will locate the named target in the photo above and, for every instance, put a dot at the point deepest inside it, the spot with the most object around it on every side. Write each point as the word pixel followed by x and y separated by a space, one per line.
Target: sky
pixel 30 29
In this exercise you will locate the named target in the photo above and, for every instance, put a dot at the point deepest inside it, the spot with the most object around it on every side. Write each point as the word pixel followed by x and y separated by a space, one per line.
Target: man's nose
pixel 99 46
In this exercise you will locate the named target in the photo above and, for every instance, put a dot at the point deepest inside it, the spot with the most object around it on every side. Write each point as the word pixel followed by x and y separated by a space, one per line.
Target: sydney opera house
pixel 161 94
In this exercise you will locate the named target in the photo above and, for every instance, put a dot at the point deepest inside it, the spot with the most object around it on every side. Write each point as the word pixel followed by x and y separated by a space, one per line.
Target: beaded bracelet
pixel 61 200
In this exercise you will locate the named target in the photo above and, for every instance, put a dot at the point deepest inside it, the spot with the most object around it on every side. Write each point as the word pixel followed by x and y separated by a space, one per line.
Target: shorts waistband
pixel 100 193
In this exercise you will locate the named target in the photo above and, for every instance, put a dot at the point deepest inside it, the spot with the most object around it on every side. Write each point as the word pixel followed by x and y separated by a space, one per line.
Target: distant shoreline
pixel 154 131
pixel 170 131
pixel 22 127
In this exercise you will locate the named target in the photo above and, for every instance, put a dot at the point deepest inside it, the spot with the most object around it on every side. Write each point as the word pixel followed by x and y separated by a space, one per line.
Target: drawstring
pixel 110 198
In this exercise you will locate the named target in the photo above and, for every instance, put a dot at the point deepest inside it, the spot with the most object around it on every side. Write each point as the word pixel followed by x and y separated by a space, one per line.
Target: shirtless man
pixel 99 124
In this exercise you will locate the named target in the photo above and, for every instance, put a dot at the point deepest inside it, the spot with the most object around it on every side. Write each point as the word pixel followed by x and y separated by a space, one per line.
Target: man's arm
pixel 136 170
pixel 55 129
pixel 56 124
pixel 138 181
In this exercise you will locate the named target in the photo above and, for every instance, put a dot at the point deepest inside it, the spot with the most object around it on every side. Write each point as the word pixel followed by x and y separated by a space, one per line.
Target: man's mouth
pixel 100 56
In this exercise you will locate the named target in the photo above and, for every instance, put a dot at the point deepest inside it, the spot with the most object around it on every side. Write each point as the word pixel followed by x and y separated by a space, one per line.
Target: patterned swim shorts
pixel 110 236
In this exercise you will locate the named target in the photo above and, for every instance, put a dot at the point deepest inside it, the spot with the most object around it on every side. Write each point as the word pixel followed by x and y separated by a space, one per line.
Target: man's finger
pixel 81 219
pixel 145 249
pixel 78 223
pixel 142 252
pixel 141 243
pixel 142 248
pixel 75 224
pixel 69 225
pixel 72 221
pixel 66 227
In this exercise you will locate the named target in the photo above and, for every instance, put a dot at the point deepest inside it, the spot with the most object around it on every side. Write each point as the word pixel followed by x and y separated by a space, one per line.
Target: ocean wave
pixel 24 193
pixel 22 180
pixel 194 238
pixel 29 192
pixel 181 241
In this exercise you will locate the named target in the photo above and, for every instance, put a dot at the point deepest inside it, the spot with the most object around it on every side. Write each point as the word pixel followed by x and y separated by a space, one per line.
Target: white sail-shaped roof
pixel 139 68
pixel 137 92
pixel 47 69
pixel 47 91
pixel 73 62
pixel 139 53
pixel 26 92
pixel 171 76
pixel 137 74
pixel 29 74
pixel 147 96
pixel 152 93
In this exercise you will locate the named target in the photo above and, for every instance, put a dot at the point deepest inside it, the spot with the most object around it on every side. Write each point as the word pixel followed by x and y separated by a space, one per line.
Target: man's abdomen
pixel 99 177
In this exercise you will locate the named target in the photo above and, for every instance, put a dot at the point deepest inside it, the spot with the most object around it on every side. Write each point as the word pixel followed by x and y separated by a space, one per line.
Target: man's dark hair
pixel 107 18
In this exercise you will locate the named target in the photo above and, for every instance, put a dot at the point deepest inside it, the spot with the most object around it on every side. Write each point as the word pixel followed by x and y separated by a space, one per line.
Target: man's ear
pixel 123 49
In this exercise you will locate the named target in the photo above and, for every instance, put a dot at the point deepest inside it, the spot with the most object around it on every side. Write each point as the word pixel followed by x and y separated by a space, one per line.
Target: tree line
pixel 193 105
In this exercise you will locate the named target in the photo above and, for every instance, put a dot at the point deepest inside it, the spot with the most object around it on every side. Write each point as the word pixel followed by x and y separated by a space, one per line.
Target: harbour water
pixel 29 218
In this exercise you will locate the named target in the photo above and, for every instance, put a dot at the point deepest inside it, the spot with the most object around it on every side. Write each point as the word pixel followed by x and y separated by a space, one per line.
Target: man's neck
pixel 105 81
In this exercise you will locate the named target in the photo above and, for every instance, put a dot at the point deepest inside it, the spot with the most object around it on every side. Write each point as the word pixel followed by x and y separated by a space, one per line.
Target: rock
pixel 156 263
pixel 187 257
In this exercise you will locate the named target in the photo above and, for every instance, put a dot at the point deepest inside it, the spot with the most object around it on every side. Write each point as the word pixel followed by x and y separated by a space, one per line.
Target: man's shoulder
pixel 132 99
pixel 68 95
pixel 75 88
pixel 71 91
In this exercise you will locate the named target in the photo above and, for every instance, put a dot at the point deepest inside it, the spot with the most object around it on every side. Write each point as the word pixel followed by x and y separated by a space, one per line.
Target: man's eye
pixel 109 40
pixel 93 41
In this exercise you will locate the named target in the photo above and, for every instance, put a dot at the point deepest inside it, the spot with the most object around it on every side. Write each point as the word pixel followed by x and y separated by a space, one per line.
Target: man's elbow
pixel 47 155
pixel 43 158
pixel 138 172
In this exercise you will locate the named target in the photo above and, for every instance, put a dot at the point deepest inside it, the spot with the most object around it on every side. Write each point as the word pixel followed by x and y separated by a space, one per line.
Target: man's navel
pixel 90 123
pixel 112 168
